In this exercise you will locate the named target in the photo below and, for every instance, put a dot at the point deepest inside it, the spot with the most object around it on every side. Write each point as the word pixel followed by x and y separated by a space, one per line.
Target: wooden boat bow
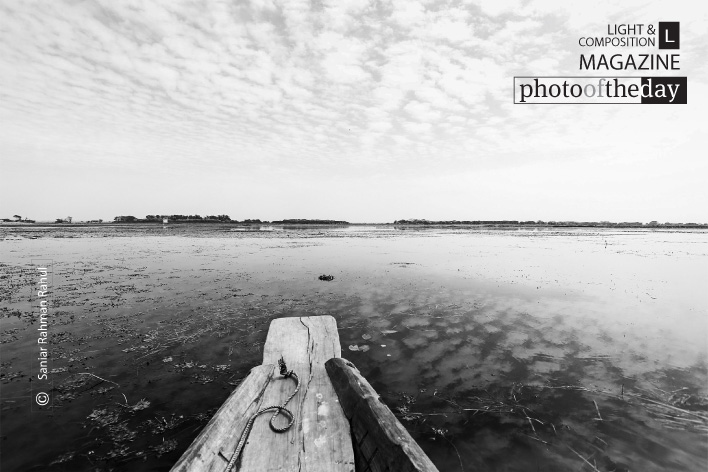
pixel 340 423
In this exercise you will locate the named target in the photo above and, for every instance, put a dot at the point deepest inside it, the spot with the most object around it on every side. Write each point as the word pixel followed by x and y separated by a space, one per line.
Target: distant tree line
pixel 223 218
pixel 160 218
pixel 219 219
pixel 310 222
pixel 406 222
pixel 575 224
pixel 18 219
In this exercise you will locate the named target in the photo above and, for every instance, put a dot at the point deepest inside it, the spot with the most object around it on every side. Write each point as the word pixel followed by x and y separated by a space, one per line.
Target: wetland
pixel 499 350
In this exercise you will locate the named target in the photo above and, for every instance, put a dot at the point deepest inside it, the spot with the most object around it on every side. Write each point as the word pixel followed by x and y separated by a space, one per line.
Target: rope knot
pixel 284 368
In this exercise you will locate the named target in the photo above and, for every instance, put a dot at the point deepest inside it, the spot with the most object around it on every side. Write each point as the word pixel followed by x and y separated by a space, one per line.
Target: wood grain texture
pixel 381 443
pixel 224 430
pixel 318 441
pixel 307 339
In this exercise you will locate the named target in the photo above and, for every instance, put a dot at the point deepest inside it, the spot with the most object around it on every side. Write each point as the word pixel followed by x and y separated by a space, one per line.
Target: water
pixel 498 350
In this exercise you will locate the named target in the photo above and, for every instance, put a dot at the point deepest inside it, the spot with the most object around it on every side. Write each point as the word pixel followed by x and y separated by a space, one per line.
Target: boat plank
pixel 320 440
pixel 325 426
pixel 306 339
pixel 381 441
pixel 223 432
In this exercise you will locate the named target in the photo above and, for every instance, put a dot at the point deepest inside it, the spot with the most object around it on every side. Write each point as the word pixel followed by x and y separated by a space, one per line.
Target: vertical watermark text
pixel 41 381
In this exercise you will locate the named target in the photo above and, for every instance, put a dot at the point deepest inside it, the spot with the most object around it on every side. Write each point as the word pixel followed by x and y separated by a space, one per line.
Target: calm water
pixel 498 350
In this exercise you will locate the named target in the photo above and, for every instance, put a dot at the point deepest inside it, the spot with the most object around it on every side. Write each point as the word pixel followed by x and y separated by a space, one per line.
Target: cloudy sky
pixel 364 110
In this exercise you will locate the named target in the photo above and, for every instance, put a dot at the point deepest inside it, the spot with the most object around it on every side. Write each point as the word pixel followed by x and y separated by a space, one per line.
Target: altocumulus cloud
pixel 357 85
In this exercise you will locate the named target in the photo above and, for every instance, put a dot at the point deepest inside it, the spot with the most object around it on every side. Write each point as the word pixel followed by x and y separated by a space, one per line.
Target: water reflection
pixel 531 391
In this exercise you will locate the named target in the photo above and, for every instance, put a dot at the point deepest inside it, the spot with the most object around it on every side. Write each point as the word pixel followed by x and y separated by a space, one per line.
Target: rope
pixel 278 410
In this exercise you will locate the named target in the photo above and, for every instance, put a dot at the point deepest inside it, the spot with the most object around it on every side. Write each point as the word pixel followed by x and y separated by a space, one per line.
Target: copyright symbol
pixel 42 399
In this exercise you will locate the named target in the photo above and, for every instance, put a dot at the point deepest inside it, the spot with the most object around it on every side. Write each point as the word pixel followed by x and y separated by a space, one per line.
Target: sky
pixel 358 110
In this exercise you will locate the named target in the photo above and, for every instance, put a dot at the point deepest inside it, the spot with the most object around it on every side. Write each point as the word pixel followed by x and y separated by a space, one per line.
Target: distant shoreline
pixel 490 225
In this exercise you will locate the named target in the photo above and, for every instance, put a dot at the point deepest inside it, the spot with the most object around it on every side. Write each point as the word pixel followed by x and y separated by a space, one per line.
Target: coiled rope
pixel 278 410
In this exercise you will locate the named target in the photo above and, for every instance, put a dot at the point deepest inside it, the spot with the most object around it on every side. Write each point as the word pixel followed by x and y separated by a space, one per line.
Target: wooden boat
pixel 340 424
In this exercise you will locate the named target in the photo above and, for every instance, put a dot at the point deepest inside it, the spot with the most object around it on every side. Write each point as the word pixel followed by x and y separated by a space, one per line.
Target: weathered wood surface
pixel 224 430
pixel 319 440
pixel 381 443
